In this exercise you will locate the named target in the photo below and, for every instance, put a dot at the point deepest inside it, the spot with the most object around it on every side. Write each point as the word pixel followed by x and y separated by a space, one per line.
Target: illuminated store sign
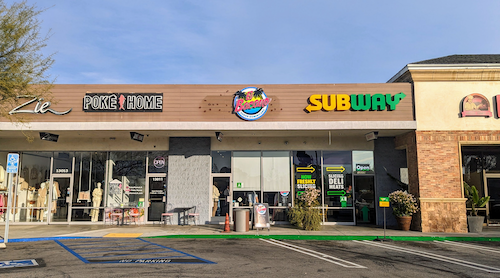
pixel 40 107
pixel 123 102
pixel 342 102
pixel 363 167
pixel 250 103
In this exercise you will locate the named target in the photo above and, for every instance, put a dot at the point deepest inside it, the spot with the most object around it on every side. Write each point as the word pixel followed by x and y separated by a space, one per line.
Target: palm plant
pixel 473 198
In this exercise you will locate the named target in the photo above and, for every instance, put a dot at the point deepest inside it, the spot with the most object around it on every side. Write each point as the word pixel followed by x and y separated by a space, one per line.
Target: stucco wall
pixel 287 143
pixel 438 105
pixel 189 175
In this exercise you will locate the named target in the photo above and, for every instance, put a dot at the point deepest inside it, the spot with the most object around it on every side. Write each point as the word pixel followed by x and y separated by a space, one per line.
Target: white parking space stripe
pixel 468 245
pixel 433 256
pixel 315 254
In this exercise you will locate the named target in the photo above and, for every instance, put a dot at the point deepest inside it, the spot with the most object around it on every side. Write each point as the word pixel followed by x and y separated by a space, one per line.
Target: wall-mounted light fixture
pixel 219 135
pixel 286 142
pixel 49 136
pixel 136 136
pixel 371 135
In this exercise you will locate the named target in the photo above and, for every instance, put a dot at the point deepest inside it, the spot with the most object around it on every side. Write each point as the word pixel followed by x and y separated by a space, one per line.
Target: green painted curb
pixel 307 237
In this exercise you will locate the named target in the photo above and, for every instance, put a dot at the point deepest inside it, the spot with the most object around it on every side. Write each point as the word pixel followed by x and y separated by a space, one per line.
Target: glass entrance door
pixel 221 192
pixel 157 197
pixel 60 196
pixel 494 203
pixel 364 198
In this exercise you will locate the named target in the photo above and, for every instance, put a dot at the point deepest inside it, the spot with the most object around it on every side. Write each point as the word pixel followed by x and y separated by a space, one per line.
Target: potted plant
pixel 474 221
pixel 404 205
pixel 305 213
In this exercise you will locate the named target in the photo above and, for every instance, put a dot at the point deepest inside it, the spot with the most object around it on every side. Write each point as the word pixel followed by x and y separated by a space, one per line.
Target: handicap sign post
pixel 384 203
pixel 12 167
pixel 12 162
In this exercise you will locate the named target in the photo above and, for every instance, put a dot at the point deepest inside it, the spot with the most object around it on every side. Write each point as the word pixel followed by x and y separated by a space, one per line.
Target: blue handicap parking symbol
pixel 12 162
pixel 18 263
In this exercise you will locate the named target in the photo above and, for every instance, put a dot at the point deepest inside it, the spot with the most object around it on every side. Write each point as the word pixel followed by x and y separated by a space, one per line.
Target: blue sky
pixel 258 42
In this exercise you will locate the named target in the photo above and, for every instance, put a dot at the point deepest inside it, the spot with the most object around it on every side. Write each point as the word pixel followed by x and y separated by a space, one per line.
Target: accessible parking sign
pixel 12 162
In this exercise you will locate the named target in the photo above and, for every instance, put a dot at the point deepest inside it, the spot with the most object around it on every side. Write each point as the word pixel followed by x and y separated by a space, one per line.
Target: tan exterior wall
pixel 438 105
pixel 292 143
pixel 121 143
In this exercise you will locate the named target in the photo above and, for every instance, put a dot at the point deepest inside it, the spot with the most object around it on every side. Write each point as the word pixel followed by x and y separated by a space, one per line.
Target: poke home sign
pixel 123 102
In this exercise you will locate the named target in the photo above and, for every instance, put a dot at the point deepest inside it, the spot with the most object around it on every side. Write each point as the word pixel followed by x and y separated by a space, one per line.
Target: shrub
pixel 403 203
pixel 304 214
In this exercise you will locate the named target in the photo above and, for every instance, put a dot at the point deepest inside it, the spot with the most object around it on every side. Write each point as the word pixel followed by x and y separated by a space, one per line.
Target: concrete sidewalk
pixel 328 232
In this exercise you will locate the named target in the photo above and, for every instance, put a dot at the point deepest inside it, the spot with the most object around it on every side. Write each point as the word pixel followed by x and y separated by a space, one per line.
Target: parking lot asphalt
pixel 20 233
pixel 249 257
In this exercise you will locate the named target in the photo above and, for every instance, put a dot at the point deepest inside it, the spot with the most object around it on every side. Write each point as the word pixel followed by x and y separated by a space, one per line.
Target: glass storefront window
pixel 32 188
pixel 278 214
pixel 221 162
pixel 337 174
pixel 126 179
pixel 307 171
pixel 246 178
pixel 473 163
pixel 3 186
pixel 157 162
pixel 88 186
pixel 276 178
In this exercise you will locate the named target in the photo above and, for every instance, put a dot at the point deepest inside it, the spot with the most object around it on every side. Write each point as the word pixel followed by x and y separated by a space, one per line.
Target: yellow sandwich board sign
pixel 383 202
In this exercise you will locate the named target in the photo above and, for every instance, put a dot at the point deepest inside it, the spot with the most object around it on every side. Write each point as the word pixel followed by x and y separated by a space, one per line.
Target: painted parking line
pixel 447 259
pixel 18 263
pixel 123 235
pixel 468 245
pixel 313 253
pixel 130 250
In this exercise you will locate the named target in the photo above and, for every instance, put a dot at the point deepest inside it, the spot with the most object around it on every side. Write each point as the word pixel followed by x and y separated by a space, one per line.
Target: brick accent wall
pixel 434 172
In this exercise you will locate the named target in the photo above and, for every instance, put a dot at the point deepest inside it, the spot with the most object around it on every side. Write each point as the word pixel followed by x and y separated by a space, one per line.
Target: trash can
pixel 241 219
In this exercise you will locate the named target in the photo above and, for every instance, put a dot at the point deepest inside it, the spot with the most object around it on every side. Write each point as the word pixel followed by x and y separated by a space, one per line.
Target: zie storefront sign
pixel 362 102
pixel 41 107
pixel 250 103
pixel 123 102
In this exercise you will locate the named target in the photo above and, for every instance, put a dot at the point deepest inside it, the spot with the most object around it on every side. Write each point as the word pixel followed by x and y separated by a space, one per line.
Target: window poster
pixel 307 170
pixel 336 181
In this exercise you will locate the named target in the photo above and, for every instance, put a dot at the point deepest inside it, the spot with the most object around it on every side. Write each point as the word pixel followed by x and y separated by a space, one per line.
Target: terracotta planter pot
pixel 404 222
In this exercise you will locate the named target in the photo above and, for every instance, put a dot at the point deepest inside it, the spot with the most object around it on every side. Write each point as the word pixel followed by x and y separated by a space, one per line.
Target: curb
pixel 284 237
pixel 42 239
pixel 307 237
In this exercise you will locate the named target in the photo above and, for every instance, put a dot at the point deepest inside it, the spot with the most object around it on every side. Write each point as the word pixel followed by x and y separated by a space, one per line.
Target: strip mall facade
pixel 156 148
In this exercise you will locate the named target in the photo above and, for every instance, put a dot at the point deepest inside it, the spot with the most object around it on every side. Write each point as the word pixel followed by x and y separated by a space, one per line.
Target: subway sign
pixel 361 102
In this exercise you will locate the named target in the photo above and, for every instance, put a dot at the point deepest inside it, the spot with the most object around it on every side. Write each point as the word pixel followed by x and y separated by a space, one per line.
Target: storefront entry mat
pixel 126 250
